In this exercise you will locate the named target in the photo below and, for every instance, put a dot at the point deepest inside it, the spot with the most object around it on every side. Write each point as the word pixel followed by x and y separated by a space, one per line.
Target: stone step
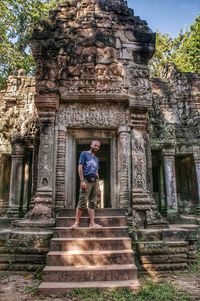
pixel 180 233
pixel 174 233
pixel 162 247
pixel 98 212
pixel 27 267
pixel 84 244
pixel 164 266
pixel 47 288
pixel 62 232
pixel 91 273
pixel 169 258
pixel 22 258
pixel 105 221
pixel 86 258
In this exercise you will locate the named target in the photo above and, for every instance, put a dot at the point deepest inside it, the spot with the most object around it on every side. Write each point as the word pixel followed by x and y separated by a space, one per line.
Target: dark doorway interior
pixel 104 173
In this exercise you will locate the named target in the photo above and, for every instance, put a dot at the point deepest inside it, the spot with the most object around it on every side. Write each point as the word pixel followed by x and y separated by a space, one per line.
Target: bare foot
pixel 74 226
pixel 94 225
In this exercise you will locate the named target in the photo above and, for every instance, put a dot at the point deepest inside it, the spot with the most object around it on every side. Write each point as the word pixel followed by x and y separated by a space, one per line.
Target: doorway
pixel 104 155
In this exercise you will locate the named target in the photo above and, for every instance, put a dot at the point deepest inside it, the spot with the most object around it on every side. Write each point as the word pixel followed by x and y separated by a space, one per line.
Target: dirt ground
pixel 20 286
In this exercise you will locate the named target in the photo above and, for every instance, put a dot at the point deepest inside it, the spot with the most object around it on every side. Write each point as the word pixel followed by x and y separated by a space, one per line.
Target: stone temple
pixel 92 82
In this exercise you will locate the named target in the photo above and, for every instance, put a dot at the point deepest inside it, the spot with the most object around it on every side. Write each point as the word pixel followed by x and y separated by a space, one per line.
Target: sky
pixel 167 16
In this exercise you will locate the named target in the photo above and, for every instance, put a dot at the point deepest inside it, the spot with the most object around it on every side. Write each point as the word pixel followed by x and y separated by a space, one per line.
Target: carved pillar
pixel 124 166
pixel 196 156
pixel 162 205
pixel 16 179
pixel 47 105
pixel 5 169
pixel 140 197
pixel 34 169
pixel 170 181
pixel 149 164
pixel 61 168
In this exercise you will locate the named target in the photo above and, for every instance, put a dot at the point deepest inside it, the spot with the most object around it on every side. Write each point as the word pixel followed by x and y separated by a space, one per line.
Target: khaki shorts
pixel 89 195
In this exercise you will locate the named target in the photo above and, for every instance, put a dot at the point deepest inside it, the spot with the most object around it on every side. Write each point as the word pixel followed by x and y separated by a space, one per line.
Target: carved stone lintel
pixel 93 115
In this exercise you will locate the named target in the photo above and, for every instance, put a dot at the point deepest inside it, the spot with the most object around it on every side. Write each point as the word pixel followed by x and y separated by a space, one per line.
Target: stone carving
pixel 139 160
pixel 124 167
pixel 173 114
pixel 17 110
pixel 45 166
pixel 93 115
pixel 61 168
pixel 87 54
pixel 41 211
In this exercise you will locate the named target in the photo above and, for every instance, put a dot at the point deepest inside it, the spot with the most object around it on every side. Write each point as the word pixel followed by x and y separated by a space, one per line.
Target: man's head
pixel 95 145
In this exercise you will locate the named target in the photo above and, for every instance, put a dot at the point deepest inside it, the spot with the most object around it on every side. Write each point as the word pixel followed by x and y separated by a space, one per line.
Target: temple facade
pixel 92 82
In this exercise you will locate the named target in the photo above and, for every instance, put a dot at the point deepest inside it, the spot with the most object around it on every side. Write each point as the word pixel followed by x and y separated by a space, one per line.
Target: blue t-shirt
pixel 90 163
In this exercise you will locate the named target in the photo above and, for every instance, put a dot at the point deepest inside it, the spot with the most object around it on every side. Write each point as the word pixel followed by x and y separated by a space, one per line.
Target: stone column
pixel 140 197
pixel 162 205
pixel 5 169
pixel 16 178
pixel 196 157
pixel 34 169
pixel 149 164
pixel 47 105
pixel 44 192
pixel 170 181
pixel 61 168
pixel 124 166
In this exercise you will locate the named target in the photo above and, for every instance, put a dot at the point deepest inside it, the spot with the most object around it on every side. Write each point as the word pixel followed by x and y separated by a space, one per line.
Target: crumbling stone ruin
pixel 92 81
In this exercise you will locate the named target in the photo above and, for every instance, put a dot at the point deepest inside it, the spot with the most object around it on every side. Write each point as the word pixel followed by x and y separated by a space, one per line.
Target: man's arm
pixel 80 172
pixel 81 176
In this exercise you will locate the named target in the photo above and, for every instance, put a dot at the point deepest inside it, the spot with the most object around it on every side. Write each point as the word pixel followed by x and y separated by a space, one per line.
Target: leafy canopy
pixel 184 50
pixel 17 20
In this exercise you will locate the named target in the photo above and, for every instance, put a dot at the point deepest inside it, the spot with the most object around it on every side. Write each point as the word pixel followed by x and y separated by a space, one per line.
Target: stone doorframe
pixel 84 136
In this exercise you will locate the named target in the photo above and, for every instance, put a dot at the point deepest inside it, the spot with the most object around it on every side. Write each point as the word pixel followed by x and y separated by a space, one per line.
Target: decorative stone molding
pixel 93 115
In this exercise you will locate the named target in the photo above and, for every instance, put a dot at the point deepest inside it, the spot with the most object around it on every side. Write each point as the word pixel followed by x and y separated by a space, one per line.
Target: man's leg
pixel 78 216
pixel 82 204
pixel 92 204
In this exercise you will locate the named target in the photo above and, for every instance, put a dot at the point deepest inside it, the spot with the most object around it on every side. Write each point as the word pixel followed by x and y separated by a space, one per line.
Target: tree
pixel 17 20
pixel 187 56
pixel 184 50
pixel 164 48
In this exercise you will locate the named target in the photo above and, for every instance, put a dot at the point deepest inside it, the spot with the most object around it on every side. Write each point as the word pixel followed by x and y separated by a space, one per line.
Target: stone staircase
pixel 90 258
pixel 169 249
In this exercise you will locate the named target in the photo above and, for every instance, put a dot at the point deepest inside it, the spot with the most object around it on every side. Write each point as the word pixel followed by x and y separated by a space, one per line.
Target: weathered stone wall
pixel 174 128
pixel 17 123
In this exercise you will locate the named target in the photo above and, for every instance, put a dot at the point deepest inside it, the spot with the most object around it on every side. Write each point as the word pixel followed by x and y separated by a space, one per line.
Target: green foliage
pixel 187 56
pixel 32 288
pixel 17 20
pixel 184 51
pixel 149 291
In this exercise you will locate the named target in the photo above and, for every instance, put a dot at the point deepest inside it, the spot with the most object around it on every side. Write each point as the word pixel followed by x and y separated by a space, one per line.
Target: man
pixel 89 184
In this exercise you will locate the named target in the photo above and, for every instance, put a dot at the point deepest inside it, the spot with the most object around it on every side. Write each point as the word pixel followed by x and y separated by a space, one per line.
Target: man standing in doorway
pixel 89 183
